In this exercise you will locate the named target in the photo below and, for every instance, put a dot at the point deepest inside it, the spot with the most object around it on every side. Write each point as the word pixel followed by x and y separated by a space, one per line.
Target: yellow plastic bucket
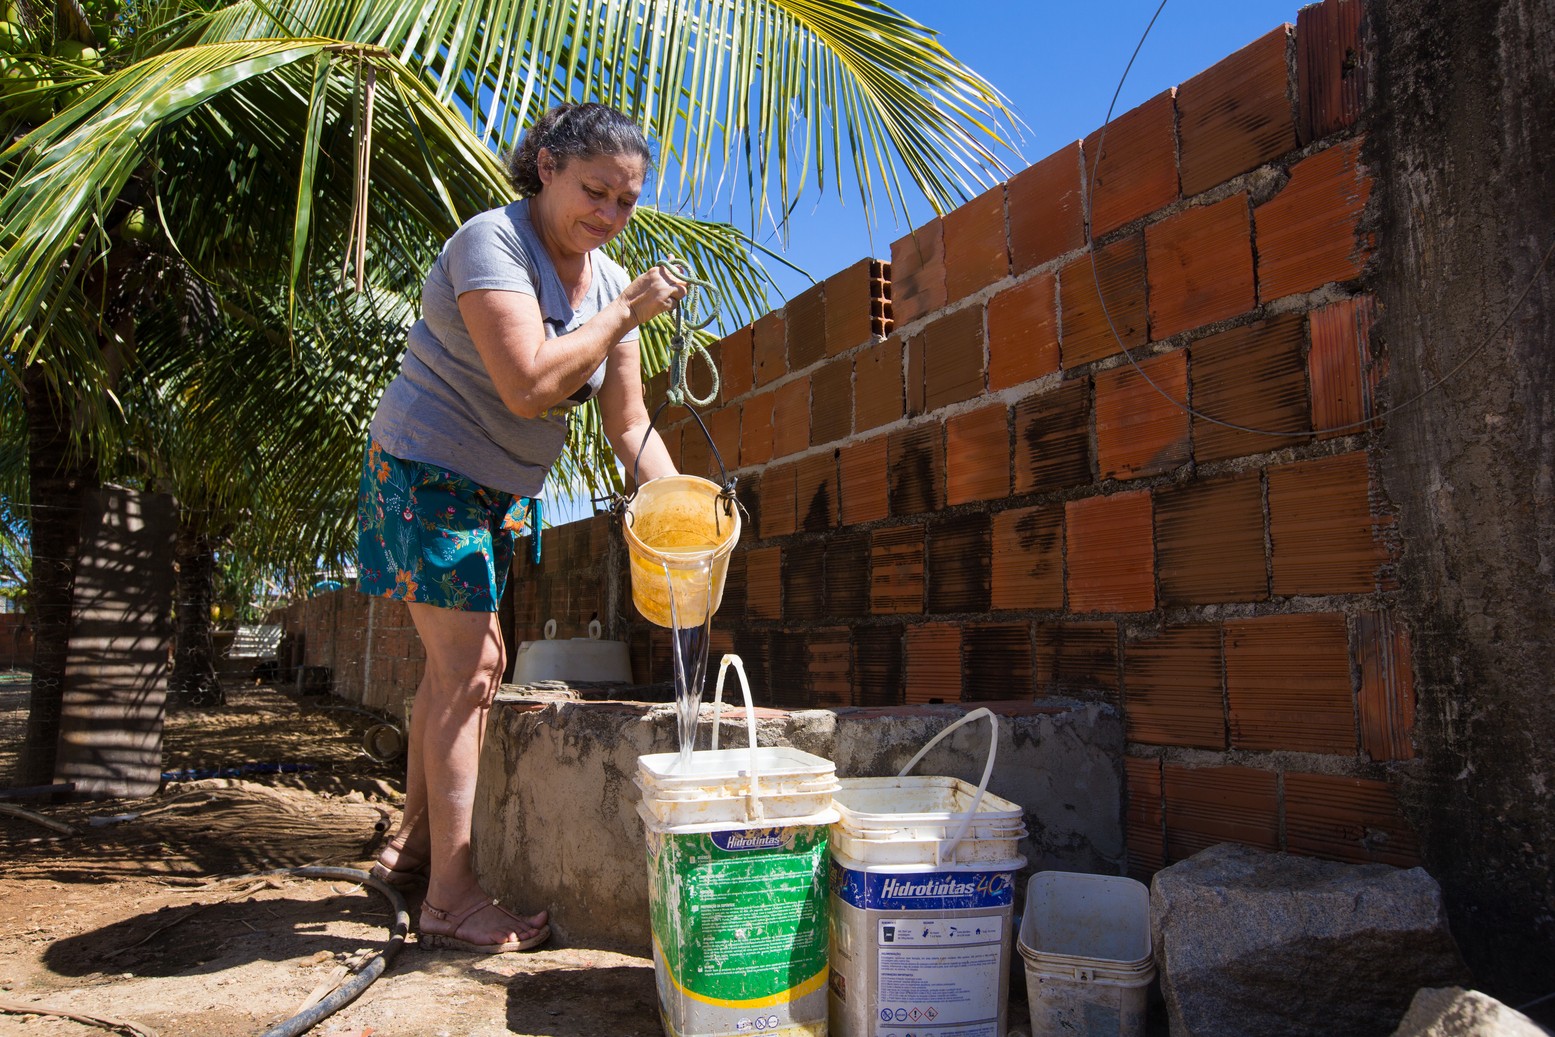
pixel 679 524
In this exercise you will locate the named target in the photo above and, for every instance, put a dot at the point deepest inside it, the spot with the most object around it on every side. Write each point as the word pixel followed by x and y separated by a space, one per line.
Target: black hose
pixel 352 988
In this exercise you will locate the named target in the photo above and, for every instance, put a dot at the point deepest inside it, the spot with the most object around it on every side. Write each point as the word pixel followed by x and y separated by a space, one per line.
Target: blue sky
pixel 1059 65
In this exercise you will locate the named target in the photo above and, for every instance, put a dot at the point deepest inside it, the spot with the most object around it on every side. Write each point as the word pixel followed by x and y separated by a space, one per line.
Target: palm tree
pixel 266 146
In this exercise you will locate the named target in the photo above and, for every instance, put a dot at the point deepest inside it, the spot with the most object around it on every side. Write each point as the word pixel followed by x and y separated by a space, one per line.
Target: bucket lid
pixel 716 766
pixel 912 800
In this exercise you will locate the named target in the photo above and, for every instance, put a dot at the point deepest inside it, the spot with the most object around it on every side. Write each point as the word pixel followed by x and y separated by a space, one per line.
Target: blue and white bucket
pixel 923 903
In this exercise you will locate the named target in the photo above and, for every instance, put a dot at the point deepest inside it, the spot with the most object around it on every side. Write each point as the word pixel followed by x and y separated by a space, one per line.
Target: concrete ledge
pixel 556 820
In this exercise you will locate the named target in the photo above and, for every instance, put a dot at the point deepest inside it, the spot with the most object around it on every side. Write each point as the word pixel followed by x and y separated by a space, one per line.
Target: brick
pixel 1110 555
pixel 1309 234
pixel 878 665
pixel 1322 529
pixel 696 455
pixel 779 507
pixel 1172 688
pixel 1023 332
pixel 1131 164
pixel 815 492
pixel 755 648
pixel 865 489
pixel 896 570
pixel 877 386
pixel 1347 819
pixel 1386 702
pixel 1340 368
pixel 1085 334
pixel 756 430
pixel 1333 67
pixel 1201 266
pixel 828 669
pixel 804 583
pixel 977 251
pixel 724 426
pixel 764 584
pixel 1209 805
pixel 1142 417
pixel 831 402
pixel 977 455
pixel 1288 683
pixel 1209 539
pixel 732 608
pixel 847 575
pixel 958 559
pixel 996 659
pixel 1046 209
pixel 1053 438
pixel 1078 659
pixel 1236 115
pixel 805 320
pixel 882 320
pixel 918 273
pixel 915 459
pixel 933 652
pixel 1144 817
pixel 953 358
pixel 732 356
pixel 791 417
pixel 1027 571
pixel 850 306
pixel 1253 377
pixel 769 349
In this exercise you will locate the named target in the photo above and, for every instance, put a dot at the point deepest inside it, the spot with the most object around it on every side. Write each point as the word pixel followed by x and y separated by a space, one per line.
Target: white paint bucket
pixel 923 917
pixel 1086 943
pixel 737 893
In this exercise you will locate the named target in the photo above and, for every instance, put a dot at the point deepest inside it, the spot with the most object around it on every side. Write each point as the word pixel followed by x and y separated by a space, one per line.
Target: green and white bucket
pixel 923 894
pixel 737 886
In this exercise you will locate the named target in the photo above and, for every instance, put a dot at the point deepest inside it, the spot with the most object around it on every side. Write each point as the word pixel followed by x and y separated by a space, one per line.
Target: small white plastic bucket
pixel 1085 940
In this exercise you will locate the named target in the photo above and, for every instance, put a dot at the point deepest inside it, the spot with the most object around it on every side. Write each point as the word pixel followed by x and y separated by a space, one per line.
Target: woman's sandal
pixel 407 877
pixel 450 941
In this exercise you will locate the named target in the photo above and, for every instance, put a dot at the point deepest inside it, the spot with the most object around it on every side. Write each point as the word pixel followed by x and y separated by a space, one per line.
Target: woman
pixel 523 319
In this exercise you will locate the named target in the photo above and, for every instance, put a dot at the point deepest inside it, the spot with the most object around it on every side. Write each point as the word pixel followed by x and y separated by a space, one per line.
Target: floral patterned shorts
pixel 428 535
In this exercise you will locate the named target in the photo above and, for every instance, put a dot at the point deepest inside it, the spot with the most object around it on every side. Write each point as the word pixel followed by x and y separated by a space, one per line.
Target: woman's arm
pixel 626 416
pixel 533 373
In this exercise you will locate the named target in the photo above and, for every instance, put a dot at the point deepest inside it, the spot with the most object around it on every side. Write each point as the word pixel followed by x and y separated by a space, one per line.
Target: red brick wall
pixel 368 644
pixel 960 488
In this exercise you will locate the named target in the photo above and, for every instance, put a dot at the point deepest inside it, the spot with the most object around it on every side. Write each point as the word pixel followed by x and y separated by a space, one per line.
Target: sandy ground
pixel 144 915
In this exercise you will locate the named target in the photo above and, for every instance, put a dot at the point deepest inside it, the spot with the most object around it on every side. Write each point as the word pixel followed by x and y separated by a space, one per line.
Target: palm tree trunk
pixel 60 478
pixel 194 656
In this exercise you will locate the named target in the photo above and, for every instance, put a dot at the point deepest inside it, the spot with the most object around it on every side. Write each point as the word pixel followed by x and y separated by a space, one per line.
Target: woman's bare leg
pixel 464 666
pixel 412 839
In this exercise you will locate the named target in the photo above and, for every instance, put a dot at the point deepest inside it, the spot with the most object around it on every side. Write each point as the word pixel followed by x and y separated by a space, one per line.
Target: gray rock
pixel 1255 944
pixel 1455 1012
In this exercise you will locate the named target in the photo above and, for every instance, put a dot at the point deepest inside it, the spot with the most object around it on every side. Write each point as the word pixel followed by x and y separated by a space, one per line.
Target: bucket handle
pixel 752 800
pixel 941 852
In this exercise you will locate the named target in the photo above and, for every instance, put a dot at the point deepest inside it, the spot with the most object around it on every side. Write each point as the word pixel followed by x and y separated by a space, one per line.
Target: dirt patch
pixel 155 910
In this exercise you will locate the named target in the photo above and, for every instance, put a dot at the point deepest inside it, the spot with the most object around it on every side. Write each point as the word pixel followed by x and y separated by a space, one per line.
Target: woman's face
pixel 588 201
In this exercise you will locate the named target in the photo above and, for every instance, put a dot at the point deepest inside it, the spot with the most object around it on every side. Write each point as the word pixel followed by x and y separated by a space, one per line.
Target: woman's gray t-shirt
pixel 443 407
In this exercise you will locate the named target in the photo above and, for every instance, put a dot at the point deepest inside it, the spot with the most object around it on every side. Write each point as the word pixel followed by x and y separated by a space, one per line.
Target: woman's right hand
pixel 653 293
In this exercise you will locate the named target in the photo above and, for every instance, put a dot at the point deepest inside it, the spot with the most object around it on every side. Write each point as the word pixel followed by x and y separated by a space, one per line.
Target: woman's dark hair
pixel 571 131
